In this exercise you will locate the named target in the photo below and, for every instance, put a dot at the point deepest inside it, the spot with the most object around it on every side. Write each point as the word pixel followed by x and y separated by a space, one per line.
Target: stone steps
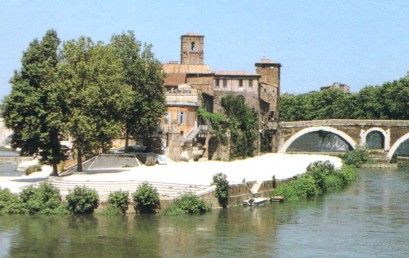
pixel 105 187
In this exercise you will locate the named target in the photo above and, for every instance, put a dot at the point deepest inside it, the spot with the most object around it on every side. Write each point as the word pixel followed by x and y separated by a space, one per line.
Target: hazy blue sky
pixel 318 42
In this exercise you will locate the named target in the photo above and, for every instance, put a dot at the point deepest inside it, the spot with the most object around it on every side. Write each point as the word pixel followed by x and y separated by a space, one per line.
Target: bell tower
pixel 191 50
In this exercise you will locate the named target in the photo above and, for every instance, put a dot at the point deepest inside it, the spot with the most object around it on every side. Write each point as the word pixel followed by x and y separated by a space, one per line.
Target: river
pixel 368 219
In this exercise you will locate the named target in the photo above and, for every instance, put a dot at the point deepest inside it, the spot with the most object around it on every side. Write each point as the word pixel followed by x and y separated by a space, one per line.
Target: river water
pixel 368 219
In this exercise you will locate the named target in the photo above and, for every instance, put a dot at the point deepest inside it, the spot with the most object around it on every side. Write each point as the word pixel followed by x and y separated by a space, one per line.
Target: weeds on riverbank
pixel 187 204
pixel 320 177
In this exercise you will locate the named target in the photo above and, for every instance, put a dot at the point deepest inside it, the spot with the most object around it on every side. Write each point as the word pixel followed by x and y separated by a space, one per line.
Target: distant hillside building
pixel 336 85
pixel 191 84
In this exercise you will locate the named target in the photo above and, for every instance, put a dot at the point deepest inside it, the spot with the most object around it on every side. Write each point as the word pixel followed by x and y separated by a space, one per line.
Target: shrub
pixel 45 199
pixel 112 211
pixel 187 204
pixel 320 177
pixel 348 174
pixel 173 210
pixel 119 200
pixel 82 200
pixel 9 202
pixel 146 199
pixel 302 187
pixel 319 171
pixel 356 157
pixel 333 182
pixel 222 189
pixel 32 169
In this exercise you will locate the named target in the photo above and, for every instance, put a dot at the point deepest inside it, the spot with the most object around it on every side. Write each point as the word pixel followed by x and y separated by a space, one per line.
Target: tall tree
pixel 144 74
pixel 35 108
pixel 93 75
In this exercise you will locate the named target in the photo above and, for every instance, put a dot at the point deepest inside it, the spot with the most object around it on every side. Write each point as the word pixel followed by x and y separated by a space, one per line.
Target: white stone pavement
pixel 259 168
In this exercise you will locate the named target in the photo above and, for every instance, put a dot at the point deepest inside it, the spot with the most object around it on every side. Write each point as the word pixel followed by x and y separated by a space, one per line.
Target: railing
pixel 345 122
pixel 183 97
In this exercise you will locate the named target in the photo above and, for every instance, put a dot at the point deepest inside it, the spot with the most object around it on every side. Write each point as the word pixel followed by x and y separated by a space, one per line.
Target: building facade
pixel 191 84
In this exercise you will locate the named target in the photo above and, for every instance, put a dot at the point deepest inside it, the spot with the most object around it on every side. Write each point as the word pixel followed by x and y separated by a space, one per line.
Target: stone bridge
pixel 392 133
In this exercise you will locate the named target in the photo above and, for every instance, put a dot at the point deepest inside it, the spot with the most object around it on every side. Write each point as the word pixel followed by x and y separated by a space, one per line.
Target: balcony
pixel 183 98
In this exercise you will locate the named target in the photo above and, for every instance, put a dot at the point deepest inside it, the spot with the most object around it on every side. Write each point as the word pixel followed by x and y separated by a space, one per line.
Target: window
pixel 224 83
pixel 250 83
pixel 167 118
pixel 240 83
pixel 181 117
pixel 191 119
pixel 217 83
pixel 192 46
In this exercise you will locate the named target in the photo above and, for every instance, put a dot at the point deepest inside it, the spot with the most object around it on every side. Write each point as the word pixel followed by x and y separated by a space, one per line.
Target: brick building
pixel 191 84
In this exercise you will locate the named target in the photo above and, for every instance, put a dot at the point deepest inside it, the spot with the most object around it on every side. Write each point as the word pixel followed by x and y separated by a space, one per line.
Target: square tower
pixel 191 51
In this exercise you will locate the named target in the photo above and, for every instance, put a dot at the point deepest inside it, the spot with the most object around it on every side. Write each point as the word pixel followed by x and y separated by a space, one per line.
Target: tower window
pixel 181 117
pixel 192 46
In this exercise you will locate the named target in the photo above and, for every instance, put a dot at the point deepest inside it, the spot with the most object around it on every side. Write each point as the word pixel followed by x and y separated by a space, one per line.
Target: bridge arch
pixel 305 131
pixel 386 136
pixel 396 145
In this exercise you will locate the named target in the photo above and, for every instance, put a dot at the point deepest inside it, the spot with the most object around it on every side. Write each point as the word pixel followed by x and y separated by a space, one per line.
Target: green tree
pixel 144 74
pixel 35 109
pixel 396 95
pixel 93 76
pixel 241 122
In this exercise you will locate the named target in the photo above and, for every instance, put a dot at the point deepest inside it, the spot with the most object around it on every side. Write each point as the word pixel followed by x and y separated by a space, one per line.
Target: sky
pixel 317 42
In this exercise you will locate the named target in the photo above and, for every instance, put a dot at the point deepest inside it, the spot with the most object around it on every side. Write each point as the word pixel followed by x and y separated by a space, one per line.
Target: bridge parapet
pixel 346 122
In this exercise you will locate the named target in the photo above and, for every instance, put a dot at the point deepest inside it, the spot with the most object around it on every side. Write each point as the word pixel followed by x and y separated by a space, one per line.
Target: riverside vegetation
pixel 320 178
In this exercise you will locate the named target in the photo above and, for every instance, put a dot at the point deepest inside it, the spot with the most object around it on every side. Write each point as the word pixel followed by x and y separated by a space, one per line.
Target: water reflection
pixel 320 141
pixel 367 219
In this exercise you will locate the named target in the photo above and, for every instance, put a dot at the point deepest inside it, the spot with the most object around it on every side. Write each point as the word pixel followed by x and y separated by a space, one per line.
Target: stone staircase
pixel 378 156
pixel 165 190
pixel 378 159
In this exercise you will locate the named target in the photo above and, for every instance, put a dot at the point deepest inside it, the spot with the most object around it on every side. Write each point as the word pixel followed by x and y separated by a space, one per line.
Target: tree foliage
pixel 145 103
pixel 35 109
pixel 93 77
pixel 241 122
pixel 88 92
pixel 388 101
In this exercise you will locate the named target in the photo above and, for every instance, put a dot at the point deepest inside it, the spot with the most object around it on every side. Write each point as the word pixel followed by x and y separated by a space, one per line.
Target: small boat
pixel 277 198
pixel 255 202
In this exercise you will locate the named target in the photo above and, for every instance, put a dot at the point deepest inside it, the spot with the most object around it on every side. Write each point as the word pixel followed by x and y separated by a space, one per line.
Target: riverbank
pixel 260 168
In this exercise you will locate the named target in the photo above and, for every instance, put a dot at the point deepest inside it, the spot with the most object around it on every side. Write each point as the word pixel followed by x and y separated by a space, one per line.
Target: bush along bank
pixel 320 177
pixel 46 199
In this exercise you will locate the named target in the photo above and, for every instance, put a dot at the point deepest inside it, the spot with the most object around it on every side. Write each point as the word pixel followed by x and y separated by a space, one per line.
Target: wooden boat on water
pixel 277 198
pixel 255 202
